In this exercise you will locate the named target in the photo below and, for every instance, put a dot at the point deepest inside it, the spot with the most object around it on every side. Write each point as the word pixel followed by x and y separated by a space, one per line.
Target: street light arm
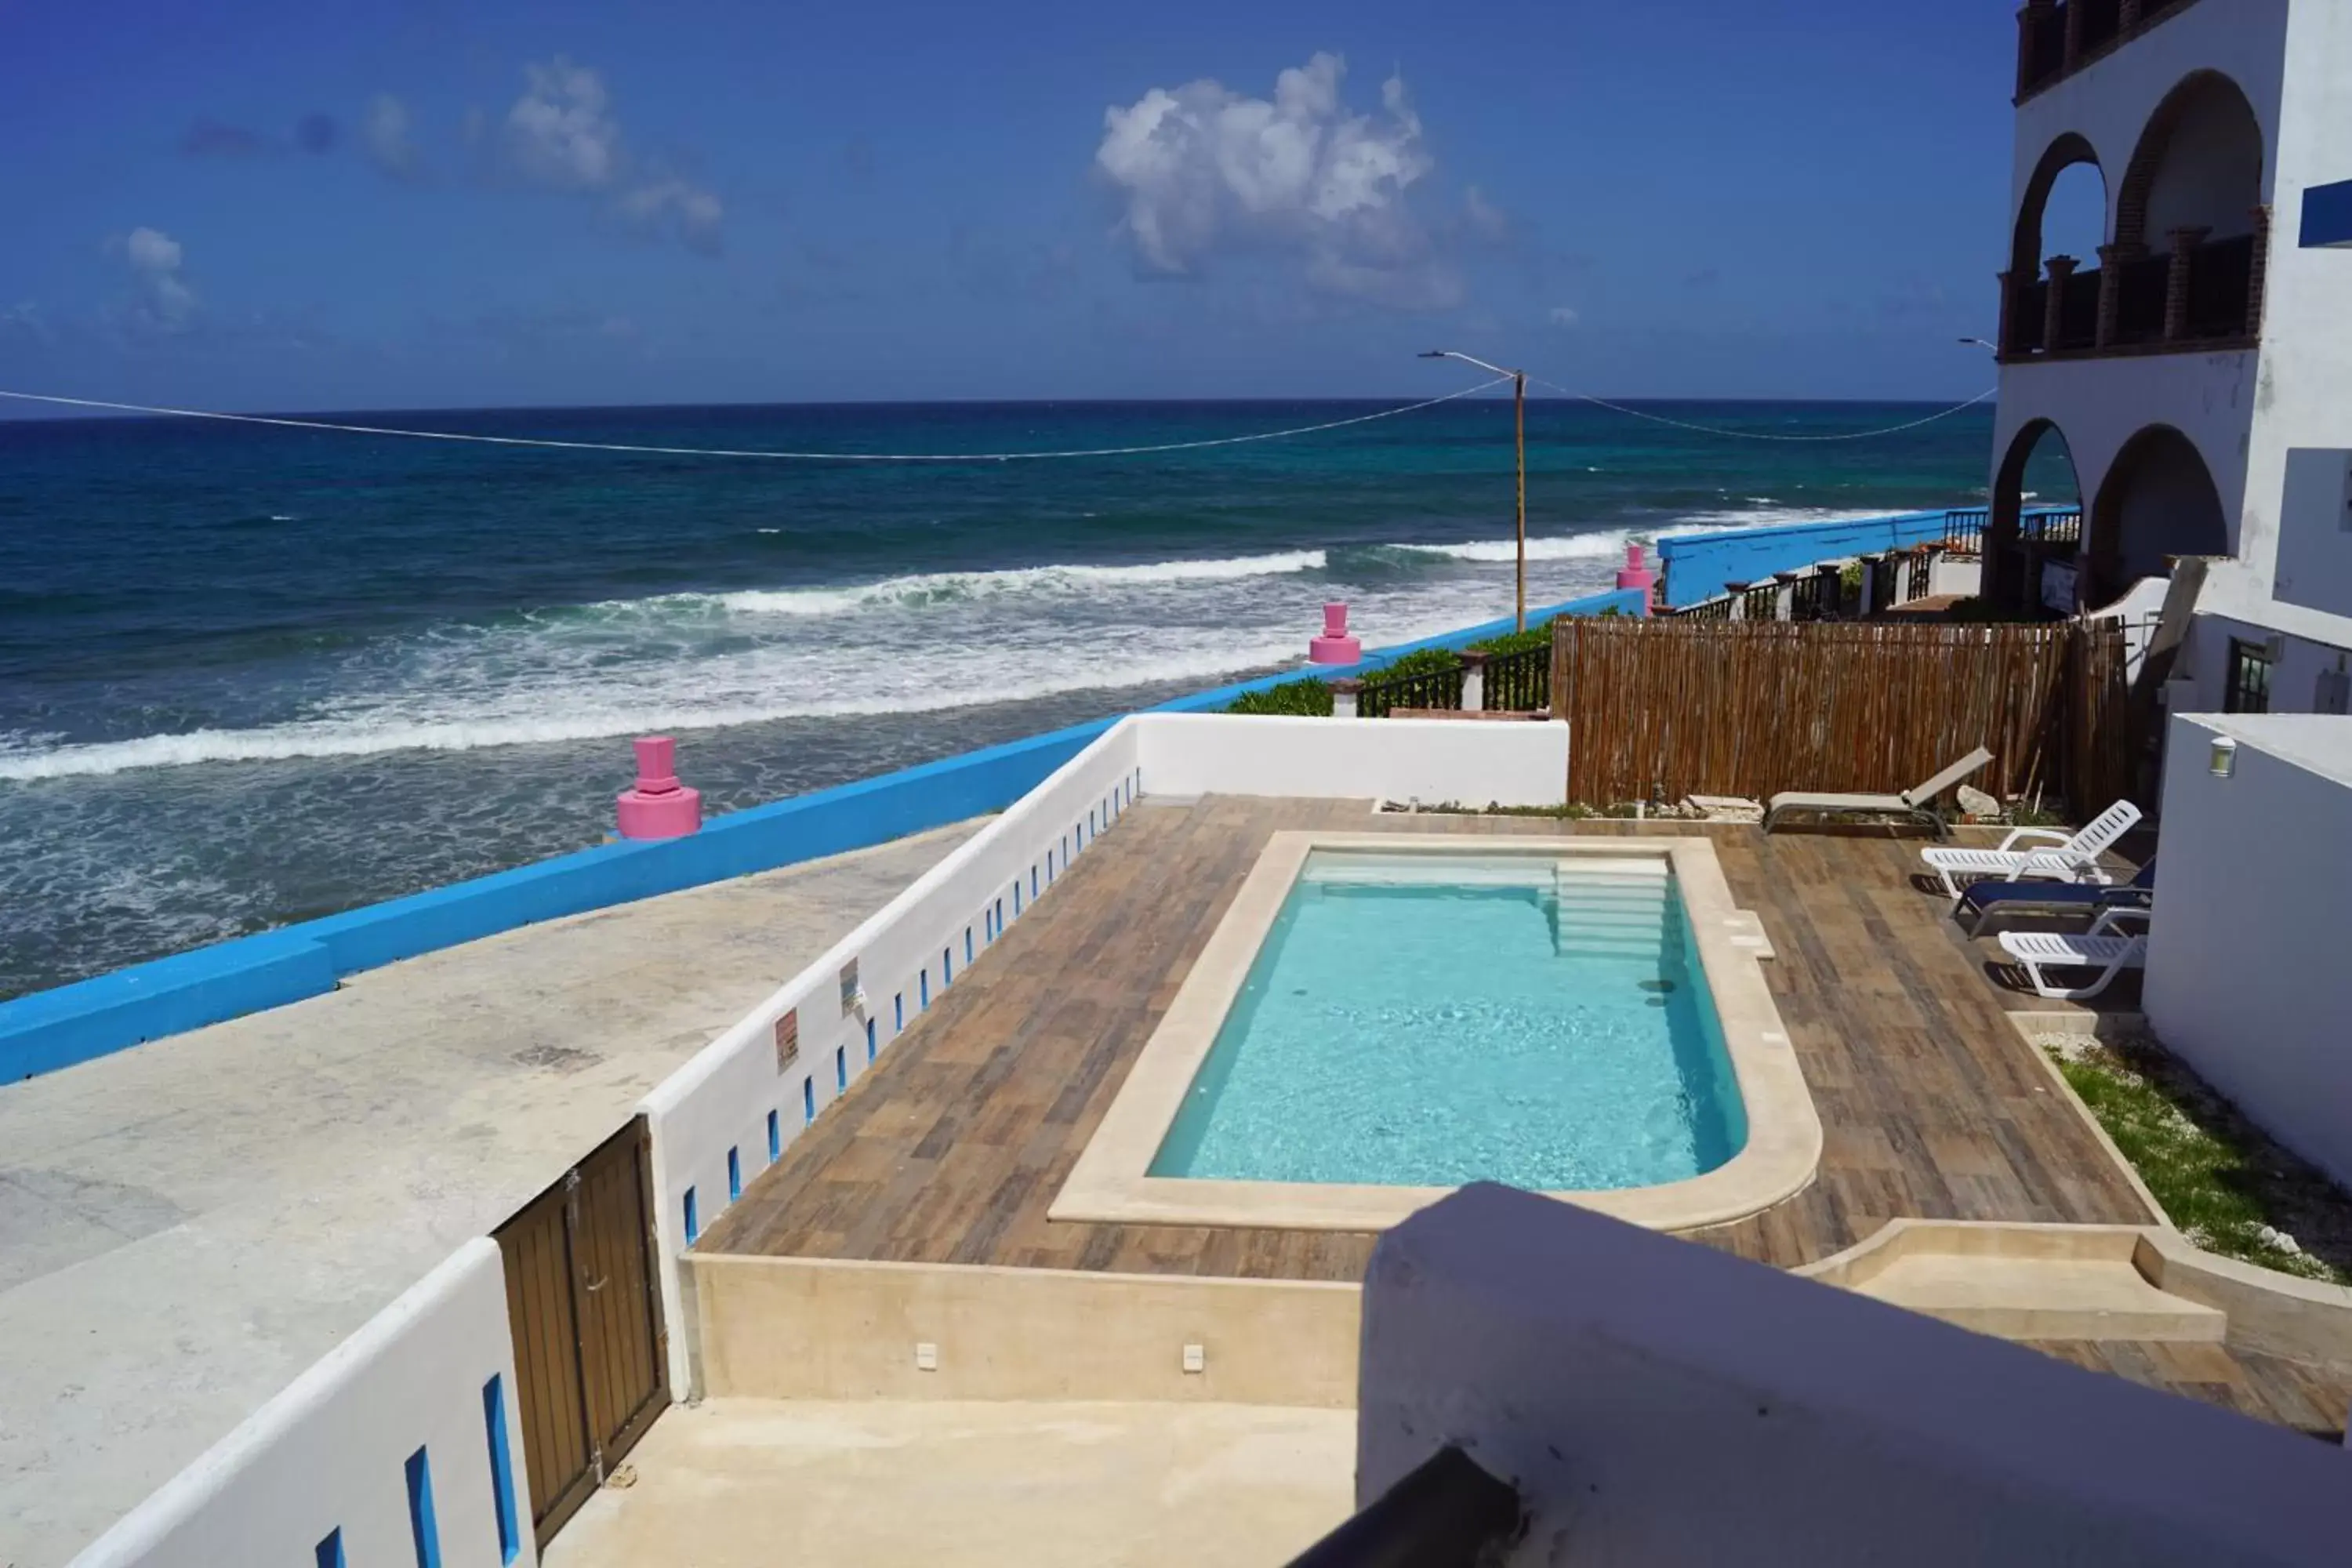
pixel 1465 359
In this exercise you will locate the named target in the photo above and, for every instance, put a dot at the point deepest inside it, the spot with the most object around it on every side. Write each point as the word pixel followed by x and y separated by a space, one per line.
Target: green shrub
pixel 1423 661
pixel 1518 642
pixel 1307 699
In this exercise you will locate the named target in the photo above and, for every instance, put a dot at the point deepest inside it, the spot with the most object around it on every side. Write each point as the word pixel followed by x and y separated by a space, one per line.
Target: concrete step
pixel 2042 1297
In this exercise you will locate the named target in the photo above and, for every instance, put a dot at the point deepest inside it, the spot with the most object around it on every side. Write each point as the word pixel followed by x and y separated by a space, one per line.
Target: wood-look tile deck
pixel 952 1147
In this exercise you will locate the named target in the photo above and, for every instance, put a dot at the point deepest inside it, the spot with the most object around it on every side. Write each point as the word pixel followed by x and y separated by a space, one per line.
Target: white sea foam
pixel 939 587
pixel 915 644
pixel 1766 517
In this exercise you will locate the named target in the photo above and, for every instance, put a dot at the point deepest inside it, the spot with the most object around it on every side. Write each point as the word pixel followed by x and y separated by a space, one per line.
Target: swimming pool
pixel 1378 1018
pixel 1432 1020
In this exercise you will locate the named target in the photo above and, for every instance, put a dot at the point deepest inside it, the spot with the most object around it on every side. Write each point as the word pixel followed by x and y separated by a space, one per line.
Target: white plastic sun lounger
pixel 1912 803
pixel 2070 860
pixel 2110 954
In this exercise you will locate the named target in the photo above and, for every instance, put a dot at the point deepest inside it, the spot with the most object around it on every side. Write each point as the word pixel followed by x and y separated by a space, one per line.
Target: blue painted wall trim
pixel 2327 216
pixel 1697 567
pixel 50 1030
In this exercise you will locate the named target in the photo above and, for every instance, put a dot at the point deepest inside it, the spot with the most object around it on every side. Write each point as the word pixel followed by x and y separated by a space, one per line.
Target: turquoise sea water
pixel 251 676
pixel 1433 1035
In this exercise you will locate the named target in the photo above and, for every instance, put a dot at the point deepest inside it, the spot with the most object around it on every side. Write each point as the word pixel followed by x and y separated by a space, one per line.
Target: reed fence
pixel 1659 709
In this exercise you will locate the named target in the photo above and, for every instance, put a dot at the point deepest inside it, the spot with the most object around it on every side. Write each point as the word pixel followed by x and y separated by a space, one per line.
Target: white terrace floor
pixel 746 1483
pixel 185 1226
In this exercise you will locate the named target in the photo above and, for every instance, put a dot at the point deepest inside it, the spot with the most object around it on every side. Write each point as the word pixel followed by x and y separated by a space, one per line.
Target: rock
pixel 2280 1240
pixel 1975 803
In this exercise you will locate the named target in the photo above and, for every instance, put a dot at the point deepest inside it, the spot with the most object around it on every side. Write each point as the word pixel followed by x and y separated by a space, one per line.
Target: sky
pixel 320 205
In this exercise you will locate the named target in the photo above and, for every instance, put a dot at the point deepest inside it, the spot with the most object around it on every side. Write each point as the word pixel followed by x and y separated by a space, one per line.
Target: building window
pixel 2248 690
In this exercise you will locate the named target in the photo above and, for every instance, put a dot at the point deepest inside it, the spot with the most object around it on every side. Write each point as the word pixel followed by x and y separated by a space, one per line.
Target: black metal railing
pixel 2029 313
pixel 1964 530
pixel 2078 312
pixel 1918 575
pixel 1813 597
pixel 2221 287
pixel 1448 1513
pixel 2041 49
pixel 2102 24
pixel 2140 287
pixel 1714 609
pixel 2042 37
pixel 2052 527
pixel 1763 601
pixel 1378 696
pixel 1520 682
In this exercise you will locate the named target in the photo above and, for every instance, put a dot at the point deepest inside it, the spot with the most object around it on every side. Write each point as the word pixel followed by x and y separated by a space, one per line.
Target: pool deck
pixel 950 1149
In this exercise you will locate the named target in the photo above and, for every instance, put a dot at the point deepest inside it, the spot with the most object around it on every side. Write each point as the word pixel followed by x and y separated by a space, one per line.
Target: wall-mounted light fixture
pixel 2225 756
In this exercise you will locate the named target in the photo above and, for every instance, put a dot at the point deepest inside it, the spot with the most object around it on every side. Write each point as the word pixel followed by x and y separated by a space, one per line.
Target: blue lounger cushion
pixel 1980 900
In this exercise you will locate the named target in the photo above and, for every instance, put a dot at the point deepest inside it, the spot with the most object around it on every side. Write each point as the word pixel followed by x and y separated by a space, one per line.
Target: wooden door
pixel 584 1306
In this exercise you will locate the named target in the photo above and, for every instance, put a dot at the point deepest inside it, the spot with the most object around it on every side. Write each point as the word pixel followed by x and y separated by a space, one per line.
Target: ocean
pixel 251 676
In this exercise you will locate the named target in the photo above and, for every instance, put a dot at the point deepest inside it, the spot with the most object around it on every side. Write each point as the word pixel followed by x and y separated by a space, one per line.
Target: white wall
pixel 2099 405
pixel 1462 761
pixel 1657 1403
pixel 2306 367
pixel 329 1452
pixel 2246 974
pixel 2294 679
pixel 722 1097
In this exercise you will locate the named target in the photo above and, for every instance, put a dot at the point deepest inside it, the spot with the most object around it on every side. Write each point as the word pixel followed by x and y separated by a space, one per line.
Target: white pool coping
pixel 1111 1181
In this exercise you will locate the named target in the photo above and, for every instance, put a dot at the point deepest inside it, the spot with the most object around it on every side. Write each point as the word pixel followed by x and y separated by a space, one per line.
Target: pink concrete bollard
pixel 1635 574
pixel 660 807
pixel 1335 646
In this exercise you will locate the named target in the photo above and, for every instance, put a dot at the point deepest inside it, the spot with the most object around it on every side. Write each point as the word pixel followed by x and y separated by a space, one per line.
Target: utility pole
pixel 1519 416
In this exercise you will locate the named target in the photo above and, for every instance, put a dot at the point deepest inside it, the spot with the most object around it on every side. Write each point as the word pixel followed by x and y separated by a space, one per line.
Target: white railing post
pixel 1738 592
pixel 1474 683
pixel 1784 595
pixel 1343 697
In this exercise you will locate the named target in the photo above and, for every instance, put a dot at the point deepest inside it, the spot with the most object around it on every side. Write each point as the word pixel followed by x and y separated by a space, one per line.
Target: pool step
pixel 2023 1282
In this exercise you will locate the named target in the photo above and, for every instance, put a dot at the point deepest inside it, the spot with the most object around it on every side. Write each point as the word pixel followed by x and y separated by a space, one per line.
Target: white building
pixel 2199 368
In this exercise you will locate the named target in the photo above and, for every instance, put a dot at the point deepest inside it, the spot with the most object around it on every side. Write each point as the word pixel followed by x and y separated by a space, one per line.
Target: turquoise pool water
pixel 1413 1021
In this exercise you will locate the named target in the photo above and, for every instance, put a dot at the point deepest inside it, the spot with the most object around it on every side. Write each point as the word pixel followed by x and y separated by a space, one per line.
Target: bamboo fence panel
pixel 1658 710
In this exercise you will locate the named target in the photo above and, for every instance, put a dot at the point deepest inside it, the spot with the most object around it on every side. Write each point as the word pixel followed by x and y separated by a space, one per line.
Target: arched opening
pixel 2158 501
pixel 2061 225
pixel 2192 231
pixel 2035 515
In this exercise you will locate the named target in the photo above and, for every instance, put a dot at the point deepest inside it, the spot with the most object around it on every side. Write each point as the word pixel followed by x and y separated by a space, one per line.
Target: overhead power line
pixel 290 424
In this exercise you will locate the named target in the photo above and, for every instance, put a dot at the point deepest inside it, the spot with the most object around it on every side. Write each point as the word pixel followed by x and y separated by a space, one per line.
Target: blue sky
pixel 320 205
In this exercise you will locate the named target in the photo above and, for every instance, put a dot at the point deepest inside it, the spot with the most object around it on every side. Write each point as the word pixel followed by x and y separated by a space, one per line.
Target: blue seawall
pixel 1698 566
pixel 50 1030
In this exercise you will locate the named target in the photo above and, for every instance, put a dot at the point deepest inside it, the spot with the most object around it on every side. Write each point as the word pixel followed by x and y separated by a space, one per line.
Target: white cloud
pixel 383 131
pixel 1483 219
pixel 695 212
pixel 1201 168
pixel 165 296
pixel 562 134
pixel 1564 316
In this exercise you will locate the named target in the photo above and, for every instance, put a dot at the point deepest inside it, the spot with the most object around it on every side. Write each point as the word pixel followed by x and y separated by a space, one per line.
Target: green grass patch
pixel 1307 699
pixel 2221 1178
